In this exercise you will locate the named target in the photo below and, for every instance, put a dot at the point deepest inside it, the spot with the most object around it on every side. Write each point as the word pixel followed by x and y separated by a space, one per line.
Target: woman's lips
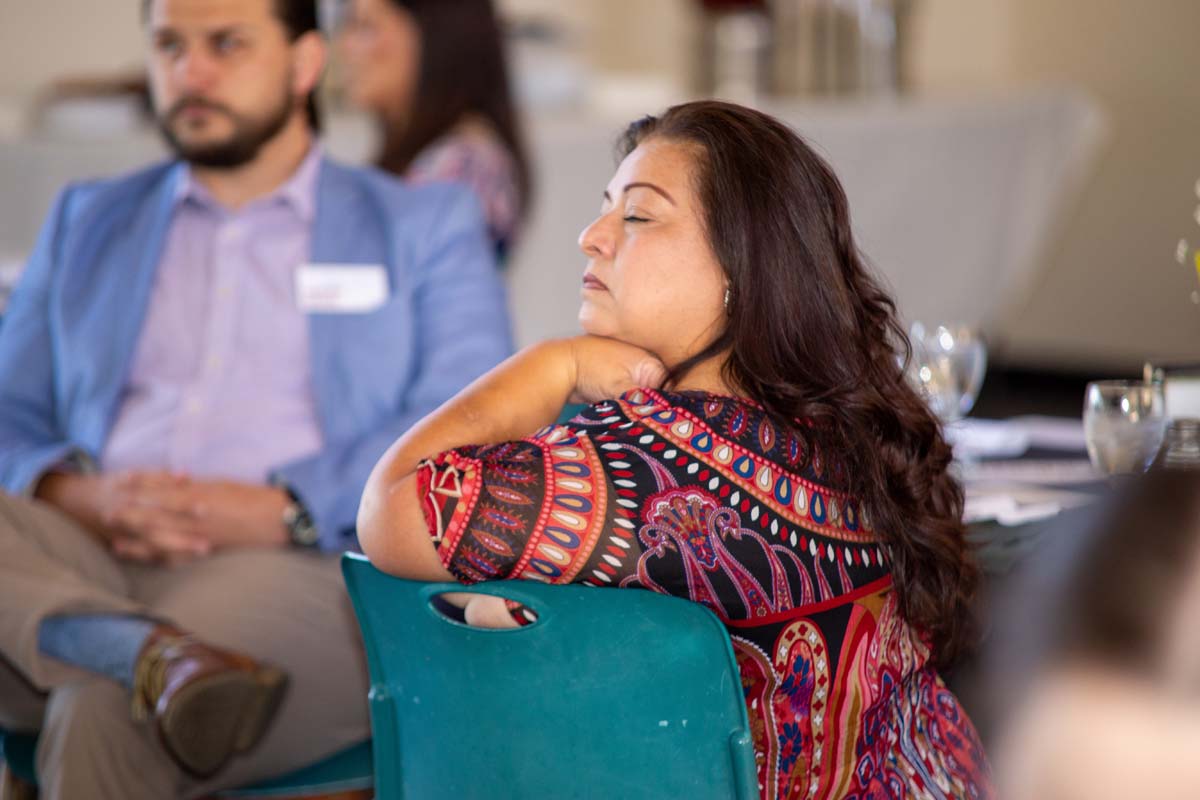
pixel 592 282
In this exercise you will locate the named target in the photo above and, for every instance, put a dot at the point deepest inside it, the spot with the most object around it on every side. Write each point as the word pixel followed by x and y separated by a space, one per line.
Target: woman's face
pixel 380 47
pixel 652 279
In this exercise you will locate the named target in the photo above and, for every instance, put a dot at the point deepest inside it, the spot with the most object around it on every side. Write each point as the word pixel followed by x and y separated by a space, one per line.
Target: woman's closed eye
pixel 632 218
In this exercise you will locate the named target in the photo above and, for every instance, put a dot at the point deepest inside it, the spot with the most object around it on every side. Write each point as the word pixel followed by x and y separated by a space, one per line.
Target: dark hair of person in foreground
pixel 1146 544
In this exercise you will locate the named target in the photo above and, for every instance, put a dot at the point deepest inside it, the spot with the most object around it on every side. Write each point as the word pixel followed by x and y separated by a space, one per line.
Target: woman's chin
pixel 595 324
pixel 361 97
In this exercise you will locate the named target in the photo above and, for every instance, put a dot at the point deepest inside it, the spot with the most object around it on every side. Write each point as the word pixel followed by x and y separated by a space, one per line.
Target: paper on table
pixel 1032 471
pixel 986 438
pixel 1016 504
pixel 1053 433
pixel 1009 438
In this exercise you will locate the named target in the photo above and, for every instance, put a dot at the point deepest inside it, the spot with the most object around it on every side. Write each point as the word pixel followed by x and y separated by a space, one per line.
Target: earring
pixel 727 298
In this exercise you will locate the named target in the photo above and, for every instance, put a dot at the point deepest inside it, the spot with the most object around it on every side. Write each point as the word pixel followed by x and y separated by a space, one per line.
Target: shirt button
pixel 193 406
pixel 214 362
pixel 224 290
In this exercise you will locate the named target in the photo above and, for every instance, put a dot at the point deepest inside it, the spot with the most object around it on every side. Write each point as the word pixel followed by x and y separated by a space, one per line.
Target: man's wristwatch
pixel 298 522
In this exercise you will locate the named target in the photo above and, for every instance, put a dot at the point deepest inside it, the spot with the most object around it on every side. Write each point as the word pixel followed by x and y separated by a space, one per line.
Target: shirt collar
pixel 299 191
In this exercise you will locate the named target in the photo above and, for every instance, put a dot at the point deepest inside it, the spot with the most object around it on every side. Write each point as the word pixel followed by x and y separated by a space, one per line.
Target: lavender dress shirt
pixel 220 384
pixel 80 359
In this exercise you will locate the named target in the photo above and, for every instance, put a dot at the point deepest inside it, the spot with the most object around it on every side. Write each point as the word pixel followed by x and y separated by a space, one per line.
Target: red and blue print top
pixel 703 497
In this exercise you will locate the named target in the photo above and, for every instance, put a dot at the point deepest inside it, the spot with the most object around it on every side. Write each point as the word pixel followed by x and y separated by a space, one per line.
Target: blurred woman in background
pixel 433 72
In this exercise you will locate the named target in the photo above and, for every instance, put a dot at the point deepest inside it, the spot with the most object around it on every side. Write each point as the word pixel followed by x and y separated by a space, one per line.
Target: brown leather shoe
pixel 207 703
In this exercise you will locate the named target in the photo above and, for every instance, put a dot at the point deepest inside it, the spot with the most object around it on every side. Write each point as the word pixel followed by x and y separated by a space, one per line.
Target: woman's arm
pixel 520 396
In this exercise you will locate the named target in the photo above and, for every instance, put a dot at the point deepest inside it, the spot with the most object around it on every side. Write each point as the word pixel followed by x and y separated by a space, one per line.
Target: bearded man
pixel 201 364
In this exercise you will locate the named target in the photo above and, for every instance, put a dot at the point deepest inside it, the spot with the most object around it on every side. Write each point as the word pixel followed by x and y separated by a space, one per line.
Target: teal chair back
pixel 569 412
pixel 16 751
pixel 610 693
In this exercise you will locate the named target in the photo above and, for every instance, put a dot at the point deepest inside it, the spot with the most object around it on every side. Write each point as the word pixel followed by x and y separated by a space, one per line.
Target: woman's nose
pixel 596 241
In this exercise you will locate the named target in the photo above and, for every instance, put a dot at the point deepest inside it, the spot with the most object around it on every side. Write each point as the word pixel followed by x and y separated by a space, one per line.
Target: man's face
pixel 222 76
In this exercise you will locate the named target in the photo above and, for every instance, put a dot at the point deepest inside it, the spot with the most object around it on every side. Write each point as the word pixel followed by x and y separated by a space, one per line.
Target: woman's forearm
pixel 521 395
pixel 512 401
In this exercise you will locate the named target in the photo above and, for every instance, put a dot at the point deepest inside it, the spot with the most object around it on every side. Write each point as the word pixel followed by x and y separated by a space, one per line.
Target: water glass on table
pixel 1123 423
pixel 948 365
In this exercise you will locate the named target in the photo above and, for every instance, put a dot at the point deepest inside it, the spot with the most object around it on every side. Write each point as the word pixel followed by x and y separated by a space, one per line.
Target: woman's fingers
pixel 488 611
pixel 608 367
pixel 648 371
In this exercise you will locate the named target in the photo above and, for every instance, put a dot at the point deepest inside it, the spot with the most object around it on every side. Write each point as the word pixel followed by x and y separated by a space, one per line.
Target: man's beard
pixel 240 147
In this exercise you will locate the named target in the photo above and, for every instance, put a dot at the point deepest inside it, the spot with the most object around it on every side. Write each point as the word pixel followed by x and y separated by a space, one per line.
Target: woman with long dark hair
pixel 434 74
pixel 752 445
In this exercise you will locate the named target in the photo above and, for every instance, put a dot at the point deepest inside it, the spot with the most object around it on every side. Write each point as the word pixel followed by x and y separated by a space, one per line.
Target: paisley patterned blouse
pixel 700 496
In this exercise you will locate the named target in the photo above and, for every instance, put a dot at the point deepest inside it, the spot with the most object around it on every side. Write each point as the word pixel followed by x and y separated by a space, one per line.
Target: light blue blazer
pixel 71 327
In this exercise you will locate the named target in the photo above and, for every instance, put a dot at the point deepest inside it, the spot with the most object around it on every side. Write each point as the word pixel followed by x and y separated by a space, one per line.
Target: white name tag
pixel 340 288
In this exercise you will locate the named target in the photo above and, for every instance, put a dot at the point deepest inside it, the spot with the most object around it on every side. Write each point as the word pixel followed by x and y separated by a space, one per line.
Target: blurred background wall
pixel 43 40
pixel 1107 292
pixel 1110 289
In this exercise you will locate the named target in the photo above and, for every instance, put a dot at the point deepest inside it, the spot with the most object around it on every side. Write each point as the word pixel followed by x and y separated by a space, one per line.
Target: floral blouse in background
pixel 482 161
pixel 702 497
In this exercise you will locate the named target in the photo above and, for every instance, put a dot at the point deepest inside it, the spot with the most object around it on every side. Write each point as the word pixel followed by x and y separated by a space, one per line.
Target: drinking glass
pixel 948 365
pixel 1123 423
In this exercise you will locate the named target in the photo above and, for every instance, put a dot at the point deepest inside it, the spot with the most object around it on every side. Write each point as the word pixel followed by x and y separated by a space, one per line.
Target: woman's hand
pixel 605 368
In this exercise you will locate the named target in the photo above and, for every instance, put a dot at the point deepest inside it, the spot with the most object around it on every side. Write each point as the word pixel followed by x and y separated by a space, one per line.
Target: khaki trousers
pixel 283 606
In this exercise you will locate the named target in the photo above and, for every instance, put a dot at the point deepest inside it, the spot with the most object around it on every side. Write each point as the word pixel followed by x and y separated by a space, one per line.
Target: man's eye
pixel 225 44
pixel 632 218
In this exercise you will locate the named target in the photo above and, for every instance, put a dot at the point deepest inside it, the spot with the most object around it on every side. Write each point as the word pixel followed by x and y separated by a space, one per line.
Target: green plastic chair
pixel 569 411
pixel 16 751
pixel 610 693
pixel 347 771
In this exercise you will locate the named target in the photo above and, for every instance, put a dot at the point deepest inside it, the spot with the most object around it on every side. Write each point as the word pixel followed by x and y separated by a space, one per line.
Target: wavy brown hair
pixel 463 70
pixel 812 335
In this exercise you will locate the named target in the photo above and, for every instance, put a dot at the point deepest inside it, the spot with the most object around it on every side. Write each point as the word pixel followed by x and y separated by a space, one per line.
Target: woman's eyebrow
pixel 645 185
